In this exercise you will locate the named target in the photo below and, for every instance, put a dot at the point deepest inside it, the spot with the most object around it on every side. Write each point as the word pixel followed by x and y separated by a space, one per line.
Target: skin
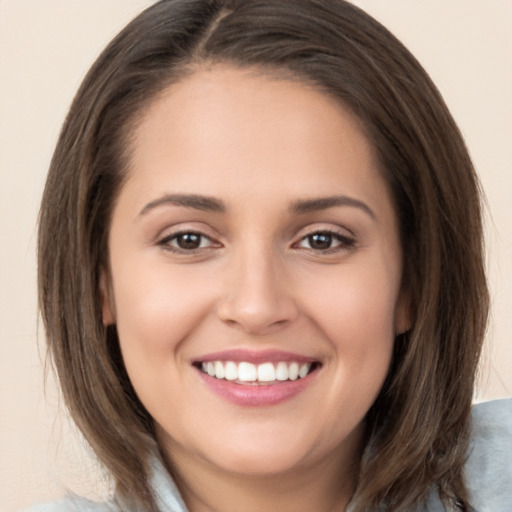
pixel 259 145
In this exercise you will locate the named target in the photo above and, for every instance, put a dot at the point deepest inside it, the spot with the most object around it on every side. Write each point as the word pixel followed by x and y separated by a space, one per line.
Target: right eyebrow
pixel 324 203
pixel 194 201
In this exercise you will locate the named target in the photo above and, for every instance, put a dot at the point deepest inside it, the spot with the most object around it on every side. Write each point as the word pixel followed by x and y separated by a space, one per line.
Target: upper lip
pixel 255 356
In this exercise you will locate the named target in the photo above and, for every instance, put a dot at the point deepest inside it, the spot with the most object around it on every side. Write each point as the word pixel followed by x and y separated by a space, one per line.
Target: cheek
pixel 355 312
pixel 157 306
pixel 157 312
pixel 356 304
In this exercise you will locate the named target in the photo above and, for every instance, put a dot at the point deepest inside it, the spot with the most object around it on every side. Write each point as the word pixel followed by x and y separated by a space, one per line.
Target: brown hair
pixel 417 430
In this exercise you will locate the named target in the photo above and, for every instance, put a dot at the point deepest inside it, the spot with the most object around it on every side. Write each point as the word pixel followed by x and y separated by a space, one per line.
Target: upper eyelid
pixel 183 228
pixel 176 234
pixel 321 228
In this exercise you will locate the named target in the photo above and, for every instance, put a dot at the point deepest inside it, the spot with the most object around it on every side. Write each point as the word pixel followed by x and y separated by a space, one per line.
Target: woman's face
pixel 254 240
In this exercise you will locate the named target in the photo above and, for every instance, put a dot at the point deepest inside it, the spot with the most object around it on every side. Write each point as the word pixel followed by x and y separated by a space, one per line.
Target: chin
pixel 260 463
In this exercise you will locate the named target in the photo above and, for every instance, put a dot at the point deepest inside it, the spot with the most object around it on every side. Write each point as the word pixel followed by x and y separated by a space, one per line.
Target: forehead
pixel 224 131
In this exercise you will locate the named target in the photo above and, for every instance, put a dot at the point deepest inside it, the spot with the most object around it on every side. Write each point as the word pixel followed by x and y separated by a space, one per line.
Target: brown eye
pixel 320 241
pixel 325 241
pixel 187 241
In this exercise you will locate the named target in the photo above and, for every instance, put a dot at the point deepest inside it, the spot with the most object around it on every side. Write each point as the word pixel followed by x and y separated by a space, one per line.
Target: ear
pixel 107 300
pixel 403 313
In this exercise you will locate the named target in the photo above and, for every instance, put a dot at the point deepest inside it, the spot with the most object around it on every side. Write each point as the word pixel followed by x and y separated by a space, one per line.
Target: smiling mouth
pixel 264 374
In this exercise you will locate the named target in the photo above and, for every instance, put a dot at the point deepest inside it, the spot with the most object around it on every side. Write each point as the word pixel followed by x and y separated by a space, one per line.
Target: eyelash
pixel 166 241
pixel 344 242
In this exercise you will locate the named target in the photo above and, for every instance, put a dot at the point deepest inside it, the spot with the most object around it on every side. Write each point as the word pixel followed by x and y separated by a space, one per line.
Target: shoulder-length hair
pixel 417 429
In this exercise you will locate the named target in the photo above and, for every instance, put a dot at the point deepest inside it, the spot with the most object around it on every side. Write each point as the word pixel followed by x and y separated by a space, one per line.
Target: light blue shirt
pixel 488 472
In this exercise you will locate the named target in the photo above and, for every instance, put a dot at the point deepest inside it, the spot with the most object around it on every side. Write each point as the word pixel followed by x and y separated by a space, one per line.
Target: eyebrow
pixel 323 203
pixel 211 204
pixel 196 202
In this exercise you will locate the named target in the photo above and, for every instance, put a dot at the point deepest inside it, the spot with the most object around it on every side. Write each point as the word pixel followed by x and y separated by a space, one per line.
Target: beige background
pixel 45 48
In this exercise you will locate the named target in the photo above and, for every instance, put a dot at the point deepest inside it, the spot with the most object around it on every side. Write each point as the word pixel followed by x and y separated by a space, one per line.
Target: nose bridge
pixel 257 299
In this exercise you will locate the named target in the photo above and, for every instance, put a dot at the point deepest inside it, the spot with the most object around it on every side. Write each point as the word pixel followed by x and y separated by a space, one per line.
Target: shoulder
pixel 165 491
pixel 489 466
pixel 74 504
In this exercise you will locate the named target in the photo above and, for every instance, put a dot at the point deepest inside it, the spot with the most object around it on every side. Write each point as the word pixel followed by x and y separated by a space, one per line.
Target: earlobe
pixel 107 308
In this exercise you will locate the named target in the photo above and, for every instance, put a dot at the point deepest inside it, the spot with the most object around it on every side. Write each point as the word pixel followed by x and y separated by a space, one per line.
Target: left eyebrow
pixel 323 203
pixel 196 202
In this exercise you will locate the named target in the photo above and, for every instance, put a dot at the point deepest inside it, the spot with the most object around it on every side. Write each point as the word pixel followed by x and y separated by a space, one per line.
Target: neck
pixel 324 486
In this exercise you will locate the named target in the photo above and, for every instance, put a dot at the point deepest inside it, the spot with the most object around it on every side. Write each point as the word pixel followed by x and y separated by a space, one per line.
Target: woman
pixel 258 227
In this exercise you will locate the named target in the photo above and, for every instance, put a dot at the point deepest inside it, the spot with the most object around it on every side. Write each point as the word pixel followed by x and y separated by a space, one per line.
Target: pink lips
pixel 256 394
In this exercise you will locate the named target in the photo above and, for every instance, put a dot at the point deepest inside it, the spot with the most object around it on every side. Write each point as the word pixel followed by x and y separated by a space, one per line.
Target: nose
pixel 257 298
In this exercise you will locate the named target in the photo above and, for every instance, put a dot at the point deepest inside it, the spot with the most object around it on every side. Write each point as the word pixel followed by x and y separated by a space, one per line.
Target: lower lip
pixel 257 395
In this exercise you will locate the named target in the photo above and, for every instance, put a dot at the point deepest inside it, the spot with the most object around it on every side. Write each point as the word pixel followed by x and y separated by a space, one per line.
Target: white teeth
pixel 246 372
pixel 293 371
pixel 231 371
pixel 219 370
pixel 249 372
pixel 303 371
pixel 282 371
pixel 266 372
